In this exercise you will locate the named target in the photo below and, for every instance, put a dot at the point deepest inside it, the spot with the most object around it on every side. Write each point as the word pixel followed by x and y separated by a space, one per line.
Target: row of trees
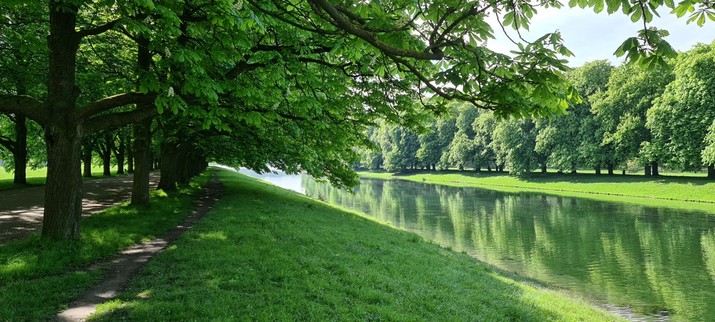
pixel 288 83
pixel 629 115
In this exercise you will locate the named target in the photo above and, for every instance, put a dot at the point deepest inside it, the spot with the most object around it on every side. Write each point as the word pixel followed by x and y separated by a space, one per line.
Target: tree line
pixel 290 84
pixel 629 116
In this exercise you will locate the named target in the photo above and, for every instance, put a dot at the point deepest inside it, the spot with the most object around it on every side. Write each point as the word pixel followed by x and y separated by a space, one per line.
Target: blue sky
pixel 592 36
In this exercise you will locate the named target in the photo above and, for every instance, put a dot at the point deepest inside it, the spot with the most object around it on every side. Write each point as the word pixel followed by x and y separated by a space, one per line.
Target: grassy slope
pixel 38 278
pixel 679 192
pixel 264 253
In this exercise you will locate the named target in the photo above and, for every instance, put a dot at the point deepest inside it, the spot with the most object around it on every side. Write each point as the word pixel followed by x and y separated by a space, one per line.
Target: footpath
pixel 120 269
pixel 21 209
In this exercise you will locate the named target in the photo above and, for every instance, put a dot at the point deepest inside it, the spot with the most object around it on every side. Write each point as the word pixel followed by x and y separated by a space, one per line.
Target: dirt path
pixel 21 209
pixel 127 263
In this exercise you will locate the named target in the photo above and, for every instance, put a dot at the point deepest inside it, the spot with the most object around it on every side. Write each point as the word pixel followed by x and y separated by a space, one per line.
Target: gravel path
pixel 21 209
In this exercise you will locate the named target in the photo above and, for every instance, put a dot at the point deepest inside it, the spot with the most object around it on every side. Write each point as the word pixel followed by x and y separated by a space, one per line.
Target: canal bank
pixel 268 254
pixel 657 261
pixel 687 193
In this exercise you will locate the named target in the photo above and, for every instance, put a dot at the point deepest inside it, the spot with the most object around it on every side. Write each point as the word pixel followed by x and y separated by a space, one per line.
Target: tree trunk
pixel 170 162
pixel 63 188
pixel 105 151
pixel 609 166
pixel 654 169
pixel 130 156
pixel 142 143
pixel 20 152
pixel 647 170
pixel 87 159
pixel 543 168
pixel 711 171
pixel 598 169
pixel 119 152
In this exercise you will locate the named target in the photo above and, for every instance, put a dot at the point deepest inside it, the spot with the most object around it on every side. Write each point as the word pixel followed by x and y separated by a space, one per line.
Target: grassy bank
pixel 38 278
pixel 671 191
pixel 265 253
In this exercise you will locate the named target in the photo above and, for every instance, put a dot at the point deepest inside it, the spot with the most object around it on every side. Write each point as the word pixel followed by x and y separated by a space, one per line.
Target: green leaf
pixel 637 14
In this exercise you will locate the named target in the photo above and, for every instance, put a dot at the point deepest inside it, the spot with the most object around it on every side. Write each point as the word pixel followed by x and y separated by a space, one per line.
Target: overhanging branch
pixel 340 21
pixel 23 104
pixel 98 30
pixel 114 120
pixel 111 102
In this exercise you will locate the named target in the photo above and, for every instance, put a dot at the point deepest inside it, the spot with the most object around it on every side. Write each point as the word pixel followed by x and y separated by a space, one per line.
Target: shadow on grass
pixel 38 277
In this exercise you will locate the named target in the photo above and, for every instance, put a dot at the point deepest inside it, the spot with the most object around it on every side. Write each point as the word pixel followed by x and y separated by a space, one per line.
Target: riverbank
pixel 265 253
pixel 671 191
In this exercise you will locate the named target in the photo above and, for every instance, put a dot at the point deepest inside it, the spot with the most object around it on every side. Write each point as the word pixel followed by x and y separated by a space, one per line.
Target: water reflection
pixel 649 259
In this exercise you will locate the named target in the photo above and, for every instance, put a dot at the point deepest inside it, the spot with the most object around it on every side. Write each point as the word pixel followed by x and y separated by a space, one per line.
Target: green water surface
pixel 659 262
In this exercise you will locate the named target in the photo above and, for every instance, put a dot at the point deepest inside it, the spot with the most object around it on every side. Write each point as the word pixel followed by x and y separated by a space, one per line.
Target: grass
pixel 670 191
pixel 38 278
pixel 264 253
pixel 36 177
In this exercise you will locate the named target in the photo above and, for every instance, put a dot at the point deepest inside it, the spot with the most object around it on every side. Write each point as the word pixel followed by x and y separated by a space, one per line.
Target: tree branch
pixel 8 144
pixel 338 20
pixel 23 104
pixel 108 103
pixel 114 120
pixel 98 30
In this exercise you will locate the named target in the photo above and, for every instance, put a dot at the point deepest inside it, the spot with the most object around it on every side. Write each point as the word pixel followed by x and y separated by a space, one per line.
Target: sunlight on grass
pixel 677 192
pixel 294 258
pixel 38 277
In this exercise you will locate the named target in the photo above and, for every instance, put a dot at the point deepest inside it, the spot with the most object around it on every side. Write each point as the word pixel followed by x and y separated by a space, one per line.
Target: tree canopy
pixel 288 83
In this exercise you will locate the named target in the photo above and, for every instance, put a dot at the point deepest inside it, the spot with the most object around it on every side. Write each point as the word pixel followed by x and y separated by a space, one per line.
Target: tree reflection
pixel 642 257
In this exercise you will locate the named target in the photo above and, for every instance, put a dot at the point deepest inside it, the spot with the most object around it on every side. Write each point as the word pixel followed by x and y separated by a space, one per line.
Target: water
pixel 657 262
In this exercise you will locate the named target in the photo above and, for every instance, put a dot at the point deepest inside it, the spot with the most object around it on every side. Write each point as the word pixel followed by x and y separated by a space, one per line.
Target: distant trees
pixel 682 116
pixel 628 116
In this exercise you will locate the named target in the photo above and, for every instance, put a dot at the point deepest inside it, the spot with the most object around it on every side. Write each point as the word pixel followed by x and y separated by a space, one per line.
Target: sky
pixel 592 36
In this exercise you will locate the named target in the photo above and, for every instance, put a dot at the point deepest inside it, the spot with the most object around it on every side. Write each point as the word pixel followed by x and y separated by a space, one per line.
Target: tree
pixel 621 110
pixel 483 127
pixel 399 147
pixel 559 137
pixel 386 53
pixel 21 63
pixel 708 153
pixel 461 149
pixel 513 143
pixel 682 115
pixel 430 150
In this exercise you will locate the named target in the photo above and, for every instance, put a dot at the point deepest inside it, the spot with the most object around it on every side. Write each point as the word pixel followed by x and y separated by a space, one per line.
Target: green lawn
pixel 267 254
pixel 672 191
pixel 38 278
pixel 37 177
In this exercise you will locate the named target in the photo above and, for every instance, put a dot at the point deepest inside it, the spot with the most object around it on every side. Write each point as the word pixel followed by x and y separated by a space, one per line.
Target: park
pixel 437 175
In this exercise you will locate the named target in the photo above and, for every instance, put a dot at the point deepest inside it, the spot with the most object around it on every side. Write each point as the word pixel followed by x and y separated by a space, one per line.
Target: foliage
pixel 513 143
pixel 680 118
pixel 622 108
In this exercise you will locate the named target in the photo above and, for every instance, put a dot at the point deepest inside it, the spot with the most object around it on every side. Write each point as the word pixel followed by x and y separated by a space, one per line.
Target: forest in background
pixel 629 117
